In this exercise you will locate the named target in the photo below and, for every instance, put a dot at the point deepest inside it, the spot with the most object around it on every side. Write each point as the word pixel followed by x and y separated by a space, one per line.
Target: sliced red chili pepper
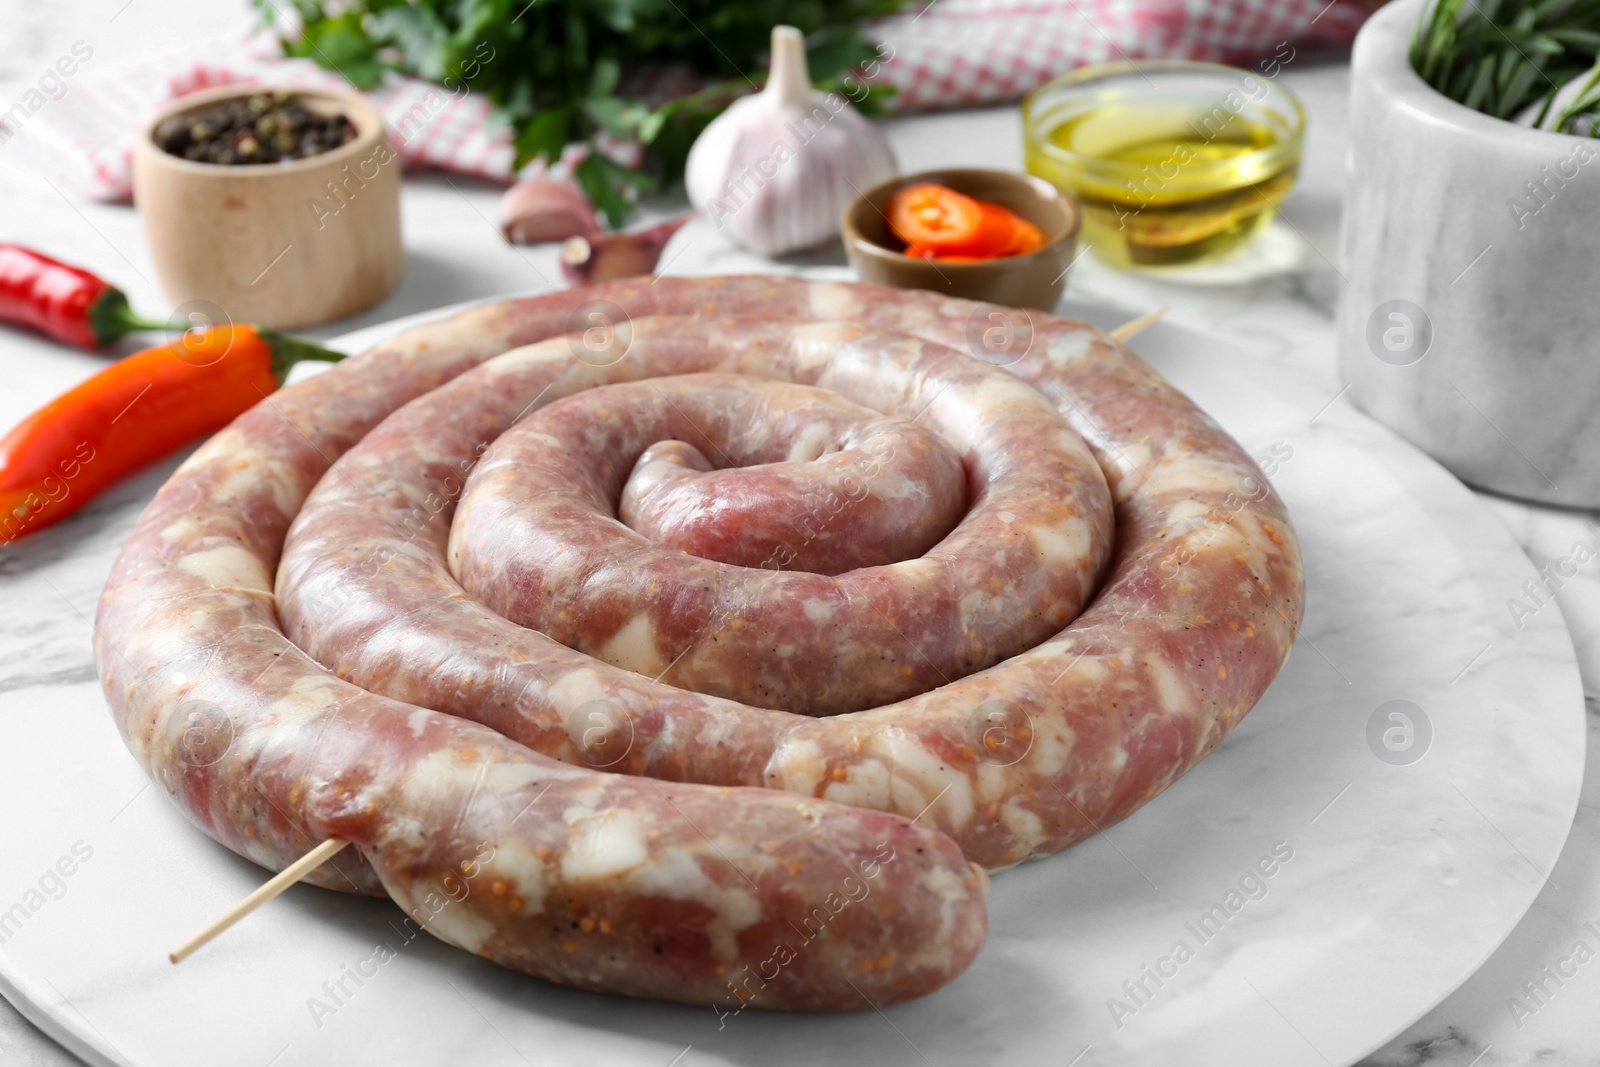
pixel 65 302
pixel 134 412
pixel 932 216
pixel 941 224
pixel 1029 238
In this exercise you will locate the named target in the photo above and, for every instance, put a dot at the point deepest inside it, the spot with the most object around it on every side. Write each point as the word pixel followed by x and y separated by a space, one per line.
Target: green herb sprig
pixel 557 64
pixel 1501 57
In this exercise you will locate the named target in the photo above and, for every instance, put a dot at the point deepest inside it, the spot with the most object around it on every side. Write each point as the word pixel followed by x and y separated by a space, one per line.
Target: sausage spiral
pixel 530 604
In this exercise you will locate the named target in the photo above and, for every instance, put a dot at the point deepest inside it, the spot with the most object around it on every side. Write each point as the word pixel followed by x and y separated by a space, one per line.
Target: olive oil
pixel 1168 181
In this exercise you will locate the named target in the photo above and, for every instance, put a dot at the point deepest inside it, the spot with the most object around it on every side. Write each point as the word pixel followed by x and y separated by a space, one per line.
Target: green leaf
pixel 1587 96
pixel 419 34
pixel 608 113
pixel 835 51
pixel 603 82
pixel 607 184
pixel 1585 41
pixel 1482 82
pixel 1548 9
pixel 1520 89
pixel 1500 56
pixel 617 15
pixel 650 124
pixel 340 44
pixel 543 136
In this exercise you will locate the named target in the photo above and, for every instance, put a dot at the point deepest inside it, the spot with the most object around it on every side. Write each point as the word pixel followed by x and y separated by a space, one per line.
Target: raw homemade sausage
pixel 362 726
pixel 818 454
pixel 1192 622
pixel 536 541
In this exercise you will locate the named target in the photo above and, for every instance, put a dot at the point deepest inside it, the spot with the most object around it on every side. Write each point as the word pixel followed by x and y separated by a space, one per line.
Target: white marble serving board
pixel 1403 876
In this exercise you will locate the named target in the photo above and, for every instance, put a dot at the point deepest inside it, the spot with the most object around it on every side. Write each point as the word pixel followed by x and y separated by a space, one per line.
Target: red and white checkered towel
pixel 949 53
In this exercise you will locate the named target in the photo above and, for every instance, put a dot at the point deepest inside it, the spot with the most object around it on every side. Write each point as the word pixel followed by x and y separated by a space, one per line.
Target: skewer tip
pixel 281 881
pixel 1129 329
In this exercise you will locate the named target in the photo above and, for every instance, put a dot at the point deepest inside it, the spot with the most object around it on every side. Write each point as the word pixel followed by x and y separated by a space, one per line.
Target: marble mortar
pixel 1471 321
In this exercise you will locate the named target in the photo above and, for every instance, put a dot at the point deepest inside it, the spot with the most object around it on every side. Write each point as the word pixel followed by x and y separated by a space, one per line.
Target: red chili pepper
pixel 938 223
pixel 66 302
pixel 134 412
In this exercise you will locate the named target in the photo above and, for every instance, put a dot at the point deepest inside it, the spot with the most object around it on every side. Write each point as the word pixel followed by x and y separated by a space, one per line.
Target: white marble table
pixel 1279 303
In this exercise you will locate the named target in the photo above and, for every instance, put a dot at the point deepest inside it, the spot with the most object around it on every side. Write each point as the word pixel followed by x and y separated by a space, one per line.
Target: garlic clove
pixel 777 169
pixel 542 208
pixel 600 257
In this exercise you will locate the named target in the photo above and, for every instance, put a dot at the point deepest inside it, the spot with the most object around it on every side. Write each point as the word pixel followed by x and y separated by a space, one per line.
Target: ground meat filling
pixel 640 663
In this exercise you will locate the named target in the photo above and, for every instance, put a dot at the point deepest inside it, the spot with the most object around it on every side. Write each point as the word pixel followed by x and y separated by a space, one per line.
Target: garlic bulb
pixel 778 168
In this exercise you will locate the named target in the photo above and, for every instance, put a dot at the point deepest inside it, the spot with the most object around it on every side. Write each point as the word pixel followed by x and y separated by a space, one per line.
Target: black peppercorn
pixel 261 128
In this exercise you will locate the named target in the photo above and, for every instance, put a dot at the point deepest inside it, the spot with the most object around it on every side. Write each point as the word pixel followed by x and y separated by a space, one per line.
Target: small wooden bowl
pixel 1035 280
pixel 278 244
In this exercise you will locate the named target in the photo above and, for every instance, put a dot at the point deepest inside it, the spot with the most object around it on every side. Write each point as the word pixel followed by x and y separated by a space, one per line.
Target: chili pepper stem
pixel 287 351
pixel 110 317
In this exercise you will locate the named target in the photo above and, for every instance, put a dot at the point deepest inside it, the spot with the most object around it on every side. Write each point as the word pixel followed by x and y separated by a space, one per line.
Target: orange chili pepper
pixel 134 412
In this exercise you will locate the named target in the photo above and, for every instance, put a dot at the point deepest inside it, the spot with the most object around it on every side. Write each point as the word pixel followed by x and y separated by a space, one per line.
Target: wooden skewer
pixel 1128 329
pixel 281 881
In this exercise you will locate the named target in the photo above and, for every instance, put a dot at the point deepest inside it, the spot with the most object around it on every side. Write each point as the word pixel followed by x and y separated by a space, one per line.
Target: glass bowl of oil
pixel 1174 162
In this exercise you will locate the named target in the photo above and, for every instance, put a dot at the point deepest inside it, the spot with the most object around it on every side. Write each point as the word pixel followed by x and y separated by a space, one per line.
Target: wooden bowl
pixel 1035 280
pixel 278 244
